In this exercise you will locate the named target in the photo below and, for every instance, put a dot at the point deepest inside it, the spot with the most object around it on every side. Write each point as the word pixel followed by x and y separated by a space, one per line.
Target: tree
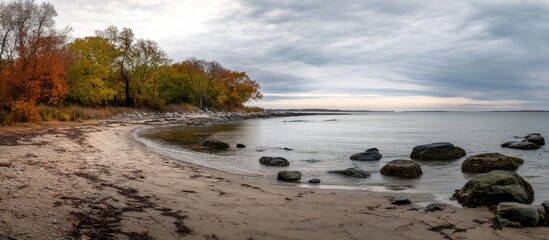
pixel 91 76
pixel 33 56
pixel 237 89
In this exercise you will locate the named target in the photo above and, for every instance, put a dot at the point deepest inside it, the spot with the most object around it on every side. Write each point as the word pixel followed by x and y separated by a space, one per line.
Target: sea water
pixel 319 143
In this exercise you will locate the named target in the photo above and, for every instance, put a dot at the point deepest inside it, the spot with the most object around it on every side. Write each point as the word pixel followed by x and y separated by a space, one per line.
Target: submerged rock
pixel 289 176
pixel 353 172
pixel 525 214
pixel 521 145
pixel 371 154
pixel 216 145
pixel 274 161
pixel 493 188
pixel 486 162
pixel 240 145
pixel 402 168
pixel 437 151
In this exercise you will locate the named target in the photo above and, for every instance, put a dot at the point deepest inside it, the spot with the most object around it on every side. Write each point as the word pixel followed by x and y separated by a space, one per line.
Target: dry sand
pixel 96 182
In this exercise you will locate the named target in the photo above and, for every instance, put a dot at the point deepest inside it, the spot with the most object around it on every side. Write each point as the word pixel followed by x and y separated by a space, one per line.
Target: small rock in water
pixel 314 180
pixel 353 172
pixel 289 175
pixel 240 145
pixel 401 201
pixel 274 161
pixel 287 149
pixel 312 161
pixel 434 207
pixel 371 154
pixel 215 145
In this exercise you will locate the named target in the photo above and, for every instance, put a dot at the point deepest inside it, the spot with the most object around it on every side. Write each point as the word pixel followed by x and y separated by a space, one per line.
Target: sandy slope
pixel 95 181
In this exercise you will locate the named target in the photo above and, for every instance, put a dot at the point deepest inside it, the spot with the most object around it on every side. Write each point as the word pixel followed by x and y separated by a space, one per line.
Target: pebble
pixel 401 201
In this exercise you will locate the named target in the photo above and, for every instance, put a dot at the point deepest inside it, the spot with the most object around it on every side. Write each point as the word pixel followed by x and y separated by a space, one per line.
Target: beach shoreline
pixel 96 181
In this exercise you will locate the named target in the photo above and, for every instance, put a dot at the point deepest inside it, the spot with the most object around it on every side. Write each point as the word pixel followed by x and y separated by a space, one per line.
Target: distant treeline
pixel 41 66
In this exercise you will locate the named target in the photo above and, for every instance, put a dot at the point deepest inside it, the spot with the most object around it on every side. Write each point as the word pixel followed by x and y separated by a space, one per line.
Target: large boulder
pixel 371 154
pixel 274 161
pixel 216 145
pixel 525 214
pixel 486 162
pixel 494 187
pixel 535 138
pixel 520 145
pixel 402 168
pixel 353 172
pixel 289 176
pixel 437 151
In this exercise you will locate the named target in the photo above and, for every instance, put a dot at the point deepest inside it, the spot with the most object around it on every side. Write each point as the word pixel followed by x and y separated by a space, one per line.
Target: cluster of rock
pixel 199 117
pixel 531 141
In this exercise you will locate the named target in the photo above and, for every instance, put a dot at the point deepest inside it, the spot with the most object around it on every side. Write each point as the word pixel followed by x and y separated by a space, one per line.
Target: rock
pixel 402 168
pixel 535 138
pixel 289 175
pixel 274 161
pixel 434 207
pixel 506 144
pixel 240 145
pixel 545 205
pixel 353 172
pixel 525 214
pixel 216 145
pixel 401 201
pixel 371 154
pixel 288 149
pixel 483 163
pixel 506 223
pixel 494 187
pixel 314 180
pixel 520 145
pixel 312 161
pixel 437 151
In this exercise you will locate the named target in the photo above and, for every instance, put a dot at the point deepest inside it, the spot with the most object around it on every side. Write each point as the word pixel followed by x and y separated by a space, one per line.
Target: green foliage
pixel 91 76
pixel 65 114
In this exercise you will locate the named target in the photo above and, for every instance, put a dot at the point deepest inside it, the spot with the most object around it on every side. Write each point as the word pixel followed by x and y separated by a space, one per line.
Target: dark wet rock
pixel 216 145
pixel 437 151
pixel 287 149
pixel 353 172
pixel 535 138
pixel 240 145
pixel 503 222
pixel 312 161
pixel 525 214
pixel 506 144
pixel 371 154
pixel 401 201
pixel 434 207
pixel 289 175
pixel 402 168
pixel 494 187
pixel 522 145
pixel 274 161
pixel 314 180
pixel 486 162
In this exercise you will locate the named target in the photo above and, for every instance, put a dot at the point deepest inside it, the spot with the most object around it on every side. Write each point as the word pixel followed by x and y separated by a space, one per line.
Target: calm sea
pixel 331 140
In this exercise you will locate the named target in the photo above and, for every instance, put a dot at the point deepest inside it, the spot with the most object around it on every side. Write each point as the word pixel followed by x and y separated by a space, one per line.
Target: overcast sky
pixel 378 55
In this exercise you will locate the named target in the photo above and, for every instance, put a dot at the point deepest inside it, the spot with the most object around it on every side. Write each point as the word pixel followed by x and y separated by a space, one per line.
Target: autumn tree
pixel 237 89
pixel 92 75
pixel 33 56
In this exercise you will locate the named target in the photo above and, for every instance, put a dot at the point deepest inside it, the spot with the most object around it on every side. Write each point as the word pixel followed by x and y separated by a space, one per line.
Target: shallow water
pixel 333 139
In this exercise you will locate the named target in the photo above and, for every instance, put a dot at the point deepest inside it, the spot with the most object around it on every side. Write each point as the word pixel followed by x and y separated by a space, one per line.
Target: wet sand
pixel 96 182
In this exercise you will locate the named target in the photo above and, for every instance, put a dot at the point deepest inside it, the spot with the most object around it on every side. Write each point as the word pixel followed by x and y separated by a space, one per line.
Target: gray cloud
pixel 481 50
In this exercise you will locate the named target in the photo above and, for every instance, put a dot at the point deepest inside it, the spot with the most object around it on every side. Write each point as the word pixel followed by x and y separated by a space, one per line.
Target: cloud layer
pixel 454 55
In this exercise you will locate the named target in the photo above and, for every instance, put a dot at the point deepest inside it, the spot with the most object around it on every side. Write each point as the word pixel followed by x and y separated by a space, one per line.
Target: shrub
pixel 3 117
pixel 24 111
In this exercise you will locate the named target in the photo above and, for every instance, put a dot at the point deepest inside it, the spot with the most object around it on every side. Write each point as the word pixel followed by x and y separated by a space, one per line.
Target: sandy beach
pixel 94 181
